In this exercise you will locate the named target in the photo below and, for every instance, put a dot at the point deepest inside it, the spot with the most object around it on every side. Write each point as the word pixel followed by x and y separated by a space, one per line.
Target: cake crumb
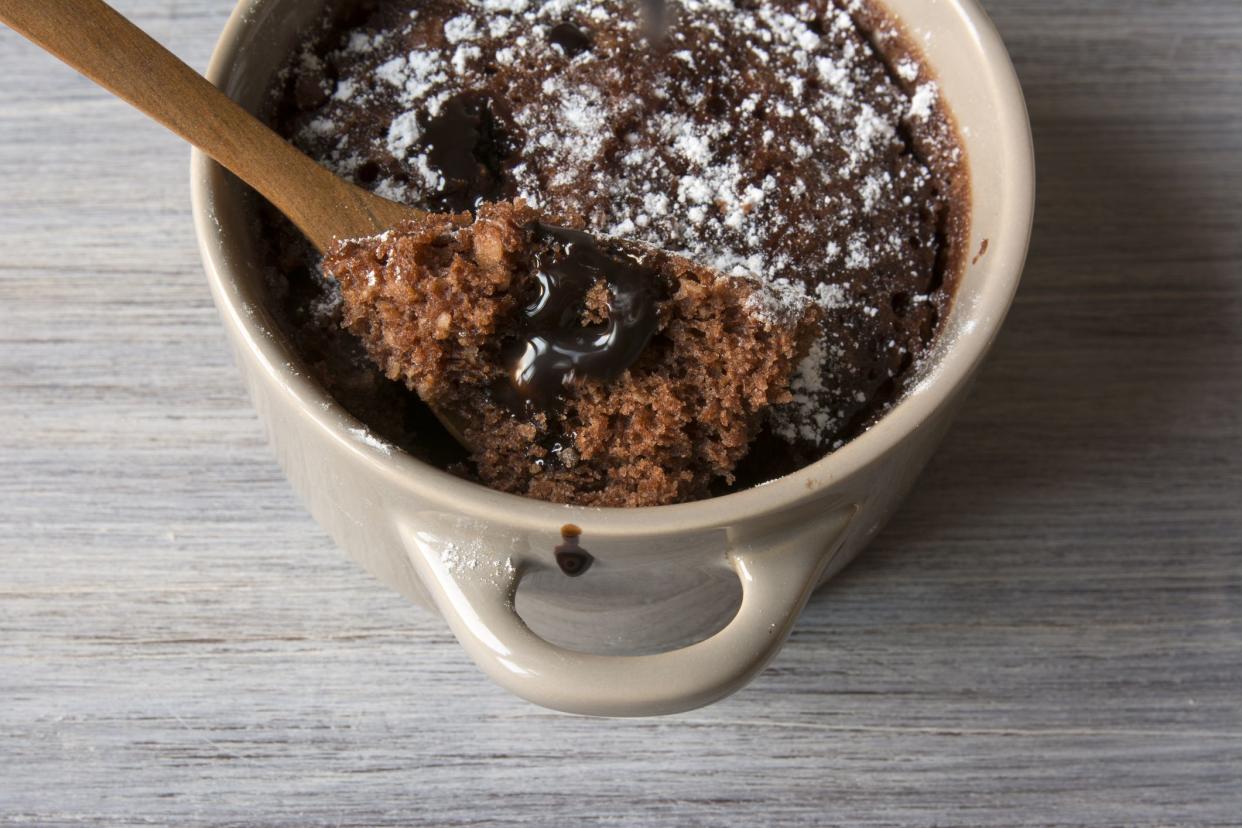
pixel 669 426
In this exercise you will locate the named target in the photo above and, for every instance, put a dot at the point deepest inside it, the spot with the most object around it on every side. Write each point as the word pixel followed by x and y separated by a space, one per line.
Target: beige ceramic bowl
pixel 684 604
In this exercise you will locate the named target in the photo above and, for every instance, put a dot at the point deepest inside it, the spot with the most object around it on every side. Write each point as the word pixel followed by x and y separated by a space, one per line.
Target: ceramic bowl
pixel 683 604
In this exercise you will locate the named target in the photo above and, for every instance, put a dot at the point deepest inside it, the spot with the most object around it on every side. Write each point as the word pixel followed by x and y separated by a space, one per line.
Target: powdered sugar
pixel 460 28
pixel 473 559
pixel 365 437
pixel 923 101
pixel 805 419
pixel 784 162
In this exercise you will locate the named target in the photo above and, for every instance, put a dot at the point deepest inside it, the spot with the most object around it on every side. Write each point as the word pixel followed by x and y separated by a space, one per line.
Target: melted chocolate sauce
pixel 572 40
pixel 553 348
pixel 467 145
pixel 570 556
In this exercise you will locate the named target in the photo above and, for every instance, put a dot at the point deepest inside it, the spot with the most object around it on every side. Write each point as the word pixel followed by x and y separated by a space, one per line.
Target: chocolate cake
pixel 799 146
pixel 577 369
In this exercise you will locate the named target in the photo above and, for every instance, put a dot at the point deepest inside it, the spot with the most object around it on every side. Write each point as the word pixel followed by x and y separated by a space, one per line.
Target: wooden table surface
pixel 1048 633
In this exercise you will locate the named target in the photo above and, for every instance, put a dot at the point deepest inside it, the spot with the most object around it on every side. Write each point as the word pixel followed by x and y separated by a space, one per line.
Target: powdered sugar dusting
pixel 770 144
pixel 365 437
pixel 472 559
pixel 804 419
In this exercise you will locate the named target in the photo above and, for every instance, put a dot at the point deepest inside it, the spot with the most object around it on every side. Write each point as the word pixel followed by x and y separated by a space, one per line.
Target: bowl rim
pixel 954 364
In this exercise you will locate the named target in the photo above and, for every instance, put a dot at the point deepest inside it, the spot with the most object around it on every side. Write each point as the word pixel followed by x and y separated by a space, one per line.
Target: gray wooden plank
pixel 1047 634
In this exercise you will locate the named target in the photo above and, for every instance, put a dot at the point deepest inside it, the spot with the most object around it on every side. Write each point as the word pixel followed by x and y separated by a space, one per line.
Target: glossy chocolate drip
pixel 554 348
pixel 570 556
pixel 572 40
pixel 466 144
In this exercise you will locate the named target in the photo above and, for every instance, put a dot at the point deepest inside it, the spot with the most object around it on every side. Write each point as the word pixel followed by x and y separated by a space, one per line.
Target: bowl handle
pixel 778 572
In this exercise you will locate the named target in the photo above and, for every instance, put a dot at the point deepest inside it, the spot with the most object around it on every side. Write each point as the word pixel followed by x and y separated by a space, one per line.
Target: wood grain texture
pixel 1050 632
pixel 103 45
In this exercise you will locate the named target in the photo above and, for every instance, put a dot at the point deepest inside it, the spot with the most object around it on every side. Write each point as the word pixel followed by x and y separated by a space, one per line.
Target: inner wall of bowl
pixel 270 30
pixel 974 84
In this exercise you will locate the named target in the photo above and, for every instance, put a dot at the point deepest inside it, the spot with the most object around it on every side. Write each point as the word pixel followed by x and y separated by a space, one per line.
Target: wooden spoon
pixel 93 38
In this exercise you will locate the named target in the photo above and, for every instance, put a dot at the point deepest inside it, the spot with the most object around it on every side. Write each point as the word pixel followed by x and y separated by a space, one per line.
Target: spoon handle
pixel 93 38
